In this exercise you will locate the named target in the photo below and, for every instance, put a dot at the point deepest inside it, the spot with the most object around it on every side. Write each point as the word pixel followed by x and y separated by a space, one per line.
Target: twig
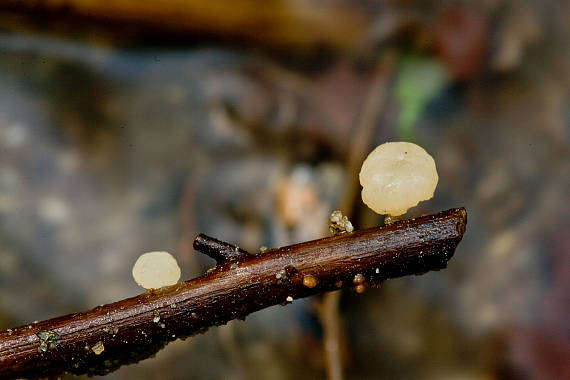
pixel 364 131
pixel 218 250
pixel 331 322
pixel 100 340
pixel 301 27
pixel 359 146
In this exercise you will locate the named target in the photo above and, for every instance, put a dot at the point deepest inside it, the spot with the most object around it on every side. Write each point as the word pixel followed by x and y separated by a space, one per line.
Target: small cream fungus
pixel 154 270
pixel 397 176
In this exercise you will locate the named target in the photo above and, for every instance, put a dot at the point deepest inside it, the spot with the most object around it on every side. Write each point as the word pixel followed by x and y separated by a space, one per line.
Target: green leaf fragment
pixel 420 80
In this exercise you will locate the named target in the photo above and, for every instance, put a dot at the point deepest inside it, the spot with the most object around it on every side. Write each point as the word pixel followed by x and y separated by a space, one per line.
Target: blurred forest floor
pixel 122 133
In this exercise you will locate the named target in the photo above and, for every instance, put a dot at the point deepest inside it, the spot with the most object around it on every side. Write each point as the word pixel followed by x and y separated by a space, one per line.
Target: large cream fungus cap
pixel 397 176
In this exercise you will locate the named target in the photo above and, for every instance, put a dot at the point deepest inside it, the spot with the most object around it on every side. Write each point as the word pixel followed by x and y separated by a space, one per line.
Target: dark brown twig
pixel 218 250
pixel 100 340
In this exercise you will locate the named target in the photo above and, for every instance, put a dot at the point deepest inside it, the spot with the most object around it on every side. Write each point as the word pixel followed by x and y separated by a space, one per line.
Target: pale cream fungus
pixel 397 176
pixel 154 270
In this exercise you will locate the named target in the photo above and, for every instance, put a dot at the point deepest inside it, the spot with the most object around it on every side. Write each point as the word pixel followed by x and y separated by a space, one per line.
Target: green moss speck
pixel 48 340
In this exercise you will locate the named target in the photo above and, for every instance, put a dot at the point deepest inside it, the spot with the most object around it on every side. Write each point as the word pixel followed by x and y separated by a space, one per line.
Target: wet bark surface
pixel 100 340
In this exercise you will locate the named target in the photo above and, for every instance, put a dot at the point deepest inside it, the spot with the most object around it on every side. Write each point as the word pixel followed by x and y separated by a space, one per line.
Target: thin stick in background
pixel 359 146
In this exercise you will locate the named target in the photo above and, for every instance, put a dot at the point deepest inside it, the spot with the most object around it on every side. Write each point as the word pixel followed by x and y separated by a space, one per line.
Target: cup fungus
pixel 397 176
pixel 154 270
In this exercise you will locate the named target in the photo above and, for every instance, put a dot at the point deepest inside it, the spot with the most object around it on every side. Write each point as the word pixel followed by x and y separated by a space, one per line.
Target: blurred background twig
pixel 299 26
pixel 359 147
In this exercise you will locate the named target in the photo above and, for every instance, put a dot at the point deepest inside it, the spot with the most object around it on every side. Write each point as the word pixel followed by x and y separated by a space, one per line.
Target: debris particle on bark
pixel 309 281
pixel 339 224
pixel 98 348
